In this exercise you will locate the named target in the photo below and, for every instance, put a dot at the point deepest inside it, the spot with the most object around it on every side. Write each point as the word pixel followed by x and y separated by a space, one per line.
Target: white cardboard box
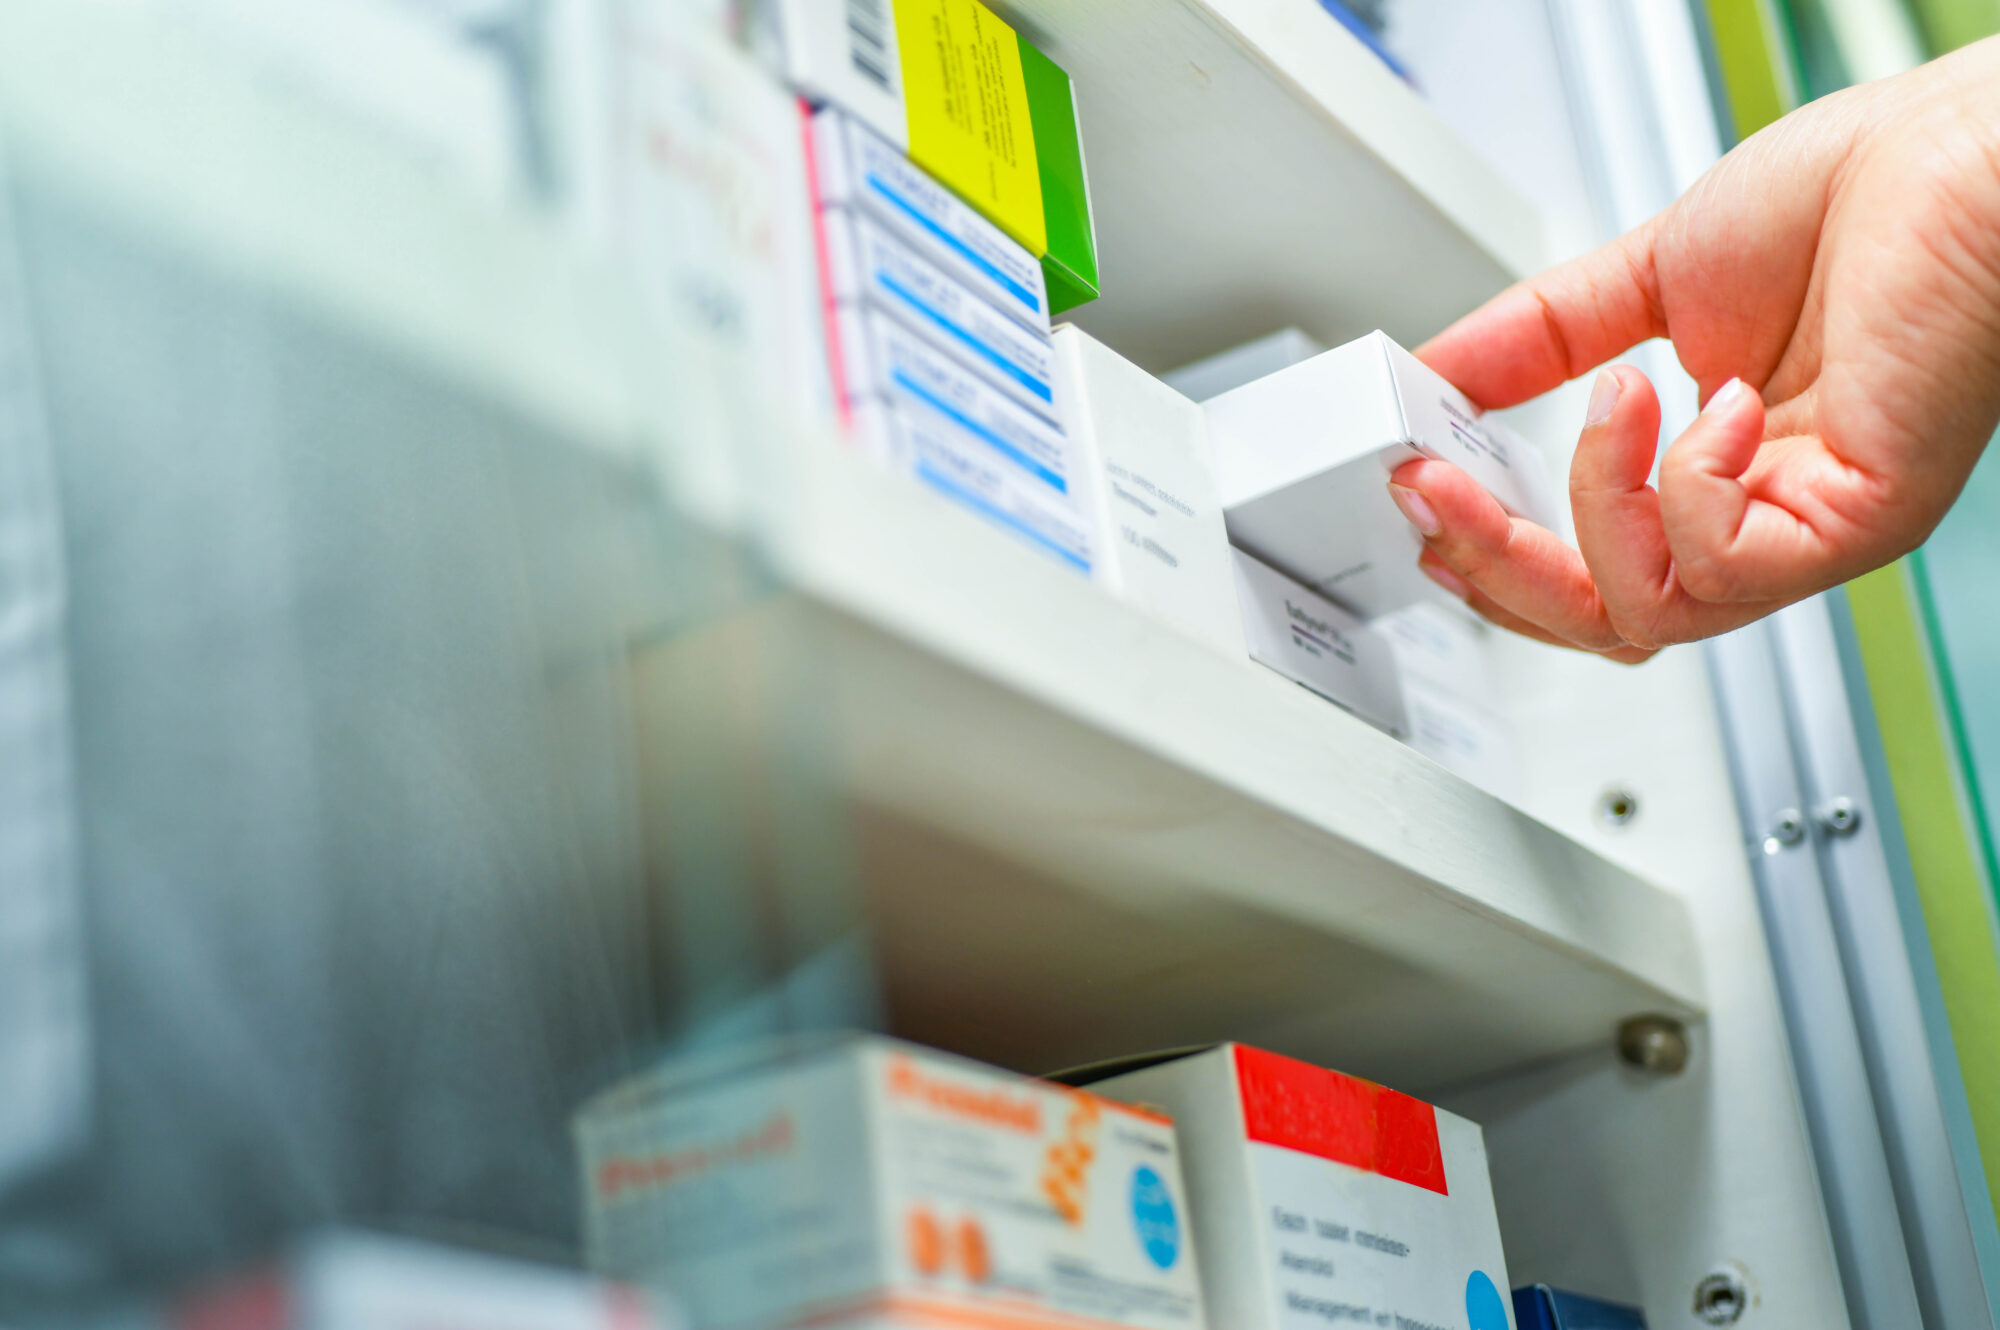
pixel 869 265
pixel 351 1280
pixel 1316 644
pixel 858 170
pixel 1322 1199
pixel 1163 545
pixel 922 413
pixel 1303 457
pixel 861 1181
pixel 845 52
pixel 686 160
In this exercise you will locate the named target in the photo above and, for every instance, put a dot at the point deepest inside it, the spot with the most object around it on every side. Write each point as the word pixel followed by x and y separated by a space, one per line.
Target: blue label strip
pixel 946 486
pixel 1000 445
pixel 1013 371
pixel 972 256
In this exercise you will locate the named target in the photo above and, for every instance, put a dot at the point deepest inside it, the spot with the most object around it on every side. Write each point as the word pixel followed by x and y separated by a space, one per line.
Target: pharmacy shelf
pixel 1081 833
pixel 1085 834
pixel 1253 166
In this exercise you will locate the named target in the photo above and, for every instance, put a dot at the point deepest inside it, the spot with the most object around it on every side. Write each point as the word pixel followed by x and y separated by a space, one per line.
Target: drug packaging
pixel 1163 545
pixel 861 1181
pixel 857 169
pixel 921 413
pixel 351 1280
pixel 1303 458
pixel 1318 645
pixel 1322 1199
pixel 975 106
pixel 866 264
pixel 686 163
pixel 1446 660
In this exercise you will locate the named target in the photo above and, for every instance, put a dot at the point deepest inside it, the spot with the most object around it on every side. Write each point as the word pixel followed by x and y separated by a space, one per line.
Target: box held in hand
pixel 1303 458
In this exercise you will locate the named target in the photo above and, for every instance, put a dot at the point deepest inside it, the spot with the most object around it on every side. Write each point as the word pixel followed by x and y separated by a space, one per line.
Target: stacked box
pixel 972 104
pixel 937 332
pixel 864 1182
pixel 864 173
pixel 919 412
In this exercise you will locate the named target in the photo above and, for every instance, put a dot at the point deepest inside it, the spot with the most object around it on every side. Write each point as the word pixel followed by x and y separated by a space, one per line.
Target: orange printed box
pixel 862 1182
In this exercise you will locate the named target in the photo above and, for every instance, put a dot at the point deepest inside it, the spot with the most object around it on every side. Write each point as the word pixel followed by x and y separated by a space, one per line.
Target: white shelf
pixel 1167 845
pixel 1084 833
pixel 1253 166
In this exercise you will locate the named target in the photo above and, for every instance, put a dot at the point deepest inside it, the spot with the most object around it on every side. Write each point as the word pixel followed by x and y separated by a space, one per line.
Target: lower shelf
pixel 1081 834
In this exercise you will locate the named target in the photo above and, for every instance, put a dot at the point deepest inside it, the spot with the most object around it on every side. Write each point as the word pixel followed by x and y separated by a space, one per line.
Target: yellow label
pixel 967 109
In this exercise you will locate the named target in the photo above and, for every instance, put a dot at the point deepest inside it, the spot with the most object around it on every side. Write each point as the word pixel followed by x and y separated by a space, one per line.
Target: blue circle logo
pixel 1153 1216
pixel 1483 1307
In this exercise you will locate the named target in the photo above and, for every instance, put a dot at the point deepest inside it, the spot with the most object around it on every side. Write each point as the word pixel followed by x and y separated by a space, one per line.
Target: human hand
pixel 1833 287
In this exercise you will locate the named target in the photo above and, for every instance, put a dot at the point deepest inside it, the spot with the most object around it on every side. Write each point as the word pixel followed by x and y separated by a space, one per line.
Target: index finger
pixel 1550 328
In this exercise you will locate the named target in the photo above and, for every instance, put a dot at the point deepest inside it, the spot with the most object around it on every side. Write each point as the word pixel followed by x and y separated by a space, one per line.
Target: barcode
pixel 868 44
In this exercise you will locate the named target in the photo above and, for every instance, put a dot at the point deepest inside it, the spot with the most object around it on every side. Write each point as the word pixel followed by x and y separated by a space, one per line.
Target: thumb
pixel 1704 502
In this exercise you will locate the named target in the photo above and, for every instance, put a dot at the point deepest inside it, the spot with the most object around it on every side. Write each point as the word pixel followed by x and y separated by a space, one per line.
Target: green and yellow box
pixel 971 102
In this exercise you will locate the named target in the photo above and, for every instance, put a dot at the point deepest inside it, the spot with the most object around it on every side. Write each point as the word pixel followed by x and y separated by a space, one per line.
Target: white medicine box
pixel 1303 458
pixel 1319 646
pixel 1162 546
pixel 1322 1199
pixel 859 1181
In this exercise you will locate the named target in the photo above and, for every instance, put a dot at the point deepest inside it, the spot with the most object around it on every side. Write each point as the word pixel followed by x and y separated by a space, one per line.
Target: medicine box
pixel 1163 545
pixel 352 1280
pixel 856 169
pixel 1303 458
pixel 861 1181
pixel 1446 660
pixel 980 110
pixel 916 411
pixel 867 264
pixel 1321 1199
pixel 1316 644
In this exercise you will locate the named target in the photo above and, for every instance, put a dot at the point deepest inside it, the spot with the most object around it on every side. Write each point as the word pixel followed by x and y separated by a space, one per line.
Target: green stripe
pixel 1950 885
pixel 1950 24
pixel 1070 265
pixel 1756 67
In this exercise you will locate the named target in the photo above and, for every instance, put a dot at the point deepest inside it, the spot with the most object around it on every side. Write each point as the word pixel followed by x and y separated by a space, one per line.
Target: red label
pixel 1343 1118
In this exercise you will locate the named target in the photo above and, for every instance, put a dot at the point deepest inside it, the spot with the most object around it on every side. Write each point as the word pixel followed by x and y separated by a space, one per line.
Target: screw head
pixel 1788 828
pixel 1617 806
pixel 1656 1045
pixel 1721 1297
pixel 1840 817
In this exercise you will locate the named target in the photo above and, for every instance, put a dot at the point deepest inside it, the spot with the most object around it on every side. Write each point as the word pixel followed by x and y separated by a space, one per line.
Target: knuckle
pixel 1708 578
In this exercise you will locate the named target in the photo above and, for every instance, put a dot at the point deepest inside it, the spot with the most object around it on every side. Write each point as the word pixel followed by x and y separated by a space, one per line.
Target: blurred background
pixel 455 656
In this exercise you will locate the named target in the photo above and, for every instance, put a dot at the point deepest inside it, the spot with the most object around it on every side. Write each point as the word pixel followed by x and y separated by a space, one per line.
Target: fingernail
pixel 1417 508
pixel 1726 397
pixel 1603 398
pixel 1447 579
